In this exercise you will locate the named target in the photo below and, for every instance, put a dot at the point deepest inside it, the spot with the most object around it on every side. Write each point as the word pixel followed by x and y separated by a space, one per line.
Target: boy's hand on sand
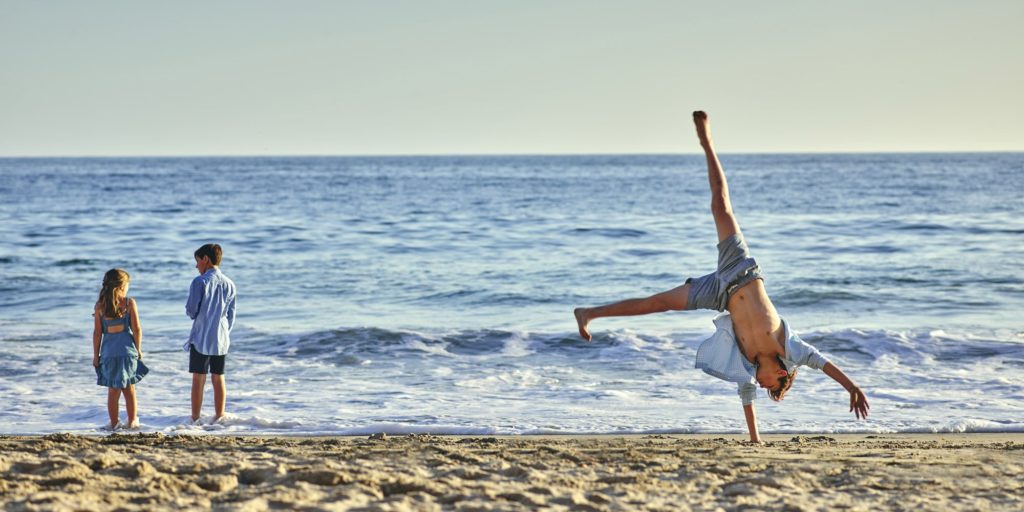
pixel 859 403
pixel 700 120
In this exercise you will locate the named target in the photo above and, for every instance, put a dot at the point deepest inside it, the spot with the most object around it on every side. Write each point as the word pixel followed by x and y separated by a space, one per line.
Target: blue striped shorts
pixel 735 269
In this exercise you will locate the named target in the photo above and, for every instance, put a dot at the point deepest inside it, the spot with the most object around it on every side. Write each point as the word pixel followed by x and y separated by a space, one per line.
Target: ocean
pixel 435 294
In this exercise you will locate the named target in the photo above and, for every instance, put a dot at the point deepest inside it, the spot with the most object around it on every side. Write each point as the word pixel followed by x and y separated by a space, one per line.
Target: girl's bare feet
pixel 582 321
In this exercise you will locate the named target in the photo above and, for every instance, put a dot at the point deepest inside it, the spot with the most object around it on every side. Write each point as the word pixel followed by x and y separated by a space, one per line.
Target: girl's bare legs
pixel 671 300
pixel 131 406
pixel 113 397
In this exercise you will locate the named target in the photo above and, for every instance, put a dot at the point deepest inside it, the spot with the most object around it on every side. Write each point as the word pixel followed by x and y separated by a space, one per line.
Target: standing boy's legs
pixel 198 383
pixel 199 365
pixel 219 395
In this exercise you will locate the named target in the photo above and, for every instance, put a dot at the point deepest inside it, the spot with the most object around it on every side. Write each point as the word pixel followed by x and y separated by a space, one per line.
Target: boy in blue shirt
pixel 752 346
pixel 211 306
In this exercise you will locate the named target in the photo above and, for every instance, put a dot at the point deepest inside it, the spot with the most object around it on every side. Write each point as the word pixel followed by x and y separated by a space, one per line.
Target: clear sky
pixel 475 77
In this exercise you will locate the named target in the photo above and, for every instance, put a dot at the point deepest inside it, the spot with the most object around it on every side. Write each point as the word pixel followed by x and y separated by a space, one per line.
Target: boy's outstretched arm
pixel 858 401
pixel 748 411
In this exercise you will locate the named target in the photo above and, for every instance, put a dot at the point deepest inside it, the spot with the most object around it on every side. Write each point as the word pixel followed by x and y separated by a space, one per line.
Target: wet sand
pixel 676 472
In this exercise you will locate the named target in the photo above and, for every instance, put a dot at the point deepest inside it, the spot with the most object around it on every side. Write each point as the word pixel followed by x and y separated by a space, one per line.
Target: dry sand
pixel 156 472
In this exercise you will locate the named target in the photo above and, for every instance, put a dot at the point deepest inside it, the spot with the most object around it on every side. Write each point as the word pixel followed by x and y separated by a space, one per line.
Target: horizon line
pixel 442 155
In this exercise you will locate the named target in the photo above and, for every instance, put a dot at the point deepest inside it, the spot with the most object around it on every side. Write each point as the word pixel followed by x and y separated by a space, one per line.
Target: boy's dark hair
pixel 211 251
pixel 784 383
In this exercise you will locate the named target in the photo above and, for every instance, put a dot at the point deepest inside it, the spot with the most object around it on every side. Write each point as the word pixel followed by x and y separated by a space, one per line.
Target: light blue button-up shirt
pixel 720 356
pixel 211 306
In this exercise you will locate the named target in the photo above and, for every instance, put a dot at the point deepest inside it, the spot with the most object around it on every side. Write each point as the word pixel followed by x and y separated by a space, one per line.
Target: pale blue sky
pixel 477 77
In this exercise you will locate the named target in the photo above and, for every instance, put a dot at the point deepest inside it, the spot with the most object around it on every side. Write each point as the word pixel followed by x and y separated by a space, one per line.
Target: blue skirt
pixel 120 372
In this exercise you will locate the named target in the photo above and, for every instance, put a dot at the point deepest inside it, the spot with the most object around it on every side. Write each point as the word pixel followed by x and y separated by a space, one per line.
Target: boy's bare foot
pixel 700 120
pixel 216 420
pixel 582 321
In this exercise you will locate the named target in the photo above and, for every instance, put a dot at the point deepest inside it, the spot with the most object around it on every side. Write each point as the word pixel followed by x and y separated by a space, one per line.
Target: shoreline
pixel 973 437
pixel 771 437
pixel 962 471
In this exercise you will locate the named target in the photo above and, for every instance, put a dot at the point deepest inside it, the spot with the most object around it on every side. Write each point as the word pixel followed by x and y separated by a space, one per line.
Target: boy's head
pixel 207 256
pixel 773 376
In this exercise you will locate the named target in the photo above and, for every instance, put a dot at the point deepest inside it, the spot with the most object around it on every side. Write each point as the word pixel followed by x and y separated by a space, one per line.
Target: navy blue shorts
pixel 202 363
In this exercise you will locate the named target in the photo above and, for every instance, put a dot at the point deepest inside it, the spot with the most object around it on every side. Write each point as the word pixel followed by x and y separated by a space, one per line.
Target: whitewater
pixel 435 294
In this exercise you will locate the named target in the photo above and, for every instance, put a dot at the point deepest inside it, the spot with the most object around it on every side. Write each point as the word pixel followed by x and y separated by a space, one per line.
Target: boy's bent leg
pixel 220 395
pixel 670 300
pixel 198 383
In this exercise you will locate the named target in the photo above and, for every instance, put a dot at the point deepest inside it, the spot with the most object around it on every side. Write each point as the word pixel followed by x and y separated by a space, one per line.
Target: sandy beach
pixel 670 472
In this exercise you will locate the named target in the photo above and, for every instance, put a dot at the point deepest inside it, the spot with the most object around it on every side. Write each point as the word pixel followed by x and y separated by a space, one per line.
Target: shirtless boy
pixel 752 342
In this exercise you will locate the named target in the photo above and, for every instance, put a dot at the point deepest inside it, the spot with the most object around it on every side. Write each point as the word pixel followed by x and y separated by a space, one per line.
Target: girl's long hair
pixel 107 302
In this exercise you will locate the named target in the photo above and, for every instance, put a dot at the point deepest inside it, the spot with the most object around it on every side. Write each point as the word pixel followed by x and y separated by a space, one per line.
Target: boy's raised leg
pixel 725 222
pixel 671 300
pixel 721 205
pixel 198 383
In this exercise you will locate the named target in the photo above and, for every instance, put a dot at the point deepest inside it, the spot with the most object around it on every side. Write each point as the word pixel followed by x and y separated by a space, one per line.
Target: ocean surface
pixel 435 294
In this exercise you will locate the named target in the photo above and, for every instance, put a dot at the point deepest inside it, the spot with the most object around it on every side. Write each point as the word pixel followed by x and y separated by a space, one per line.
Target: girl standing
pixel 117 346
